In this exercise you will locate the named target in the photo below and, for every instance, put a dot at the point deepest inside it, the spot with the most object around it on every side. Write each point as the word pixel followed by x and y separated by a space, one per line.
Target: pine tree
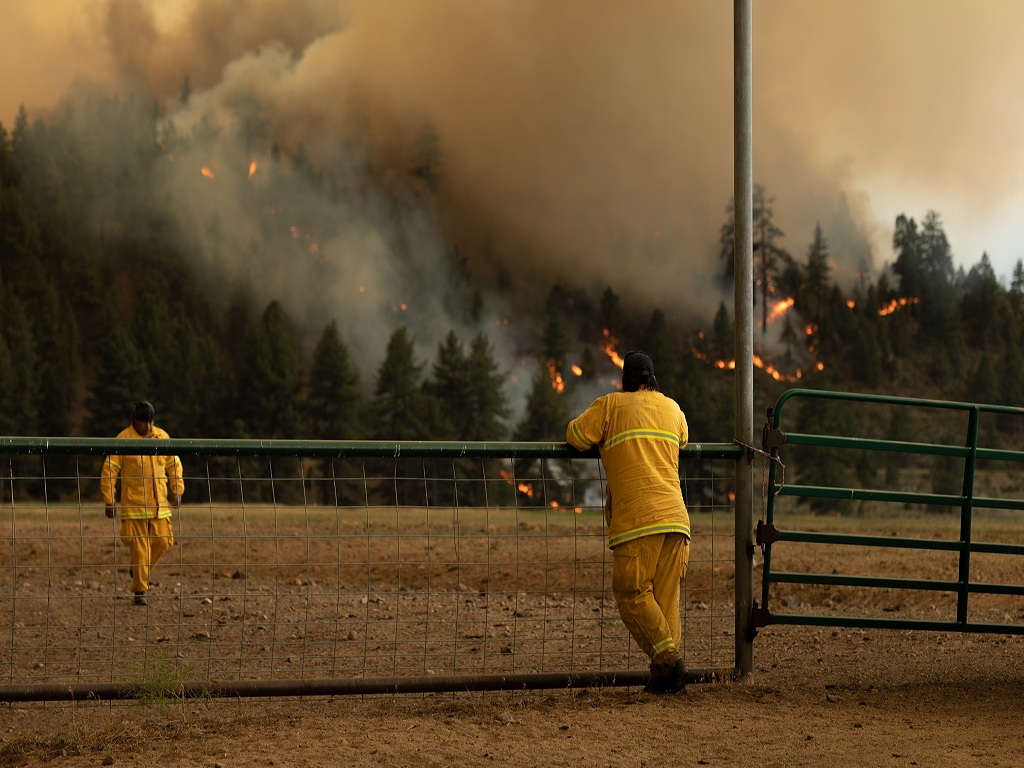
pixel 657 342
pixel 16 329
pixel 58 372
pixel 155 339
pixel 984 309
pixel 767 252
pixel 8 399
pixel 401 409
pixel 816 277
pixel 332 412
pixel 546 419
pixel 867 356
pixel 332 406
pixel 450 386
pixel 722 334
pixel 547 414
pixel 269 372
pixel 121 380
pixel 486 404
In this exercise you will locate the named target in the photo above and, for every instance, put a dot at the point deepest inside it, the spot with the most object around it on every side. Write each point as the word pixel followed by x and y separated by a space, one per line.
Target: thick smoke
pixel 587 142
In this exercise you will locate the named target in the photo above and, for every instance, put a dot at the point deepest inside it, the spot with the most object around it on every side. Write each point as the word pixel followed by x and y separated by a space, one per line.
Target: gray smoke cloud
pixel 589 143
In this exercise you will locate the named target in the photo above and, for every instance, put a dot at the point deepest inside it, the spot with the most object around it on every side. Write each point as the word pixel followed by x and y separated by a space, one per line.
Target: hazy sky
pixel 583 130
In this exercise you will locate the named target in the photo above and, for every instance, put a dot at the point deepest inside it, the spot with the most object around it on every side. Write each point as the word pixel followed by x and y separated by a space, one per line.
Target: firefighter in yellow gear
pixel 639 433
pixel 151 487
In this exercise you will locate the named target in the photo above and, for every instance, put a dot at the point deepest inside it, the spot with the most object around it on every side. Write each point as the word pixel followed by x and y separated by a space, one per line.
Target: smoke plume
pixel 582 142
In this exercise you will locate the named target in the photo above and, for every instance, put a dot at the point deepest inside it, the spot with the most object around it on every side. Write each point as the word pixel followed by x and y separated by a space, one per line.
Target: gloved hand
pixel 109 511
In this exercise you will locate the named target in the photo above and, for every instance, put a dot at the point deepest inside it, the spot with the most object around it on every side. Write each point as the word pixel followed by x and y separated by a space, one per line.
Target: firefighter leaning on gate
pixel 639 432
pixel 150 487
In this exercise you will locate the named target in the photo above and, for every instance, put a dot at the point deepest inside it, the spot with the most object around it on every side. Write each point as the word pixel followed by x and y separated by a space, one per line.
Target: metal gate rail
pixel 769 533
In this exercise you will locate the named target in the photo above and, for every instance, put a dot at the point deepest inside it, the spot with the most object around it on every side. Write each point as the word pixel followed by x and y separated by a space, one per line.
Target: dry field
pixel 819 695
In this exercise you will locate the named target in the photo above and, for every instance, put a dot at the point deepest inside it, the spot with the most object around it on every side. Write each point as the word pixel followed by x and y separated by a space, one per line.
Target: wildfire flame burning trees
pixel 608 347
pixel 557 382
pixel 780 309
pixel 527 489
pixel 895 304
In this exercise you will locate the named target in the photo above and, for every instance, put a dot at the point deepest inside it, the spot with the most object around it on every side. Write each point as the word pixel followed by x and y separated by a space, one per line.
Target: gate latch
pixel 771 438
pixel 766 533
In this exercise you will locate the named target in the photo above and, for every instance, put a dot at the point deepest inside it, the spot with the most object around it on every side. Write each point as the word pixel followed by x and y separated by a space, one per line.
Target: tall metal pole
pixel 743 342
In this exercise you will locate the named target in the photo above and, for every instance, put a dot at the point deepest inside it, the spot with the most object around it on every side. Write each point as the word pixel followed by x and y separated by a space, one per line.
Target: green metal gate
pixel 964 451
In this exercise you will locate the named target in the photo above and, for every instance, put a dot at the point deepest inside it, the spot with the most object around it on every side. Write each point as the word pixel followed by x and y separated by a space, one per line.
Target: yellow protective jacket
pixel 639 435
pixel 144 479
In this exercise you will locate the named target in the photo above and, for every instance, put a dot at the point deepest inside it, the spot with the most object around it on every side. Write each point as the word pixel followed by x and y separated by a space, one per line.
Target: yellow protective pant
pixel 147 539
pixel 646 577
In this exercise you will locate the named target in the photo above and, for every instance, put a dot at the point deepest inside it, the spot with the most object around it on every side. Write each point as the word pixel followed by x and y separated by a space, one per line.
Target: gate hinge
pixel 760 617
pixel 766 533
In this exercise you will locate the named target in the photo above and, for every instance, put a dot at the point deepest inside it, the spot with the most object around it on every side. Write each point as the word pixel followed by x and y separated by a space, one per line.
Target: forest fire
pixel 780 309
pixel 608 347
pixel 760 363
pixel 557 383
pixel 524 488
pixel 895 304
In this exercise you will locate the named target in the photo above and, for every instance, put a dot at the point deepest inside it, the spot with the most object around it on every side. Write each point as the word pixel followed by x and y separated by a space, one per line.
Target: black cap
pixel 144 411
pixel 637 363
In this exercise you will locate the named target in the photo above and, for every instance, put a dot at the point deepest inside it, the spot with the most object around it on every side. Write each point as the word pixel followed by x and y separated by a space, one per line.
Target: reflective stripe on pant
pixel 147 540
pixel 646 578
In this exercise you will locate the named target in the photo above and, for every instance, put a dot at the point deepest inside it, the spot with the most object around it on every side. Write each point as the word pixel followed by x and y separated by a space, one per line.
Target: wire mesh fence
pixel 312 567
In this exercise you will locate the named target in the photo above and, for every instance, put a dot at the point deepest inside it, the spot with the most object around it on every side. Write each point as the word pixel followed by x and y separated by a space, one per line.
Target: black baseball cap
pixel 144 411
pixel 637 363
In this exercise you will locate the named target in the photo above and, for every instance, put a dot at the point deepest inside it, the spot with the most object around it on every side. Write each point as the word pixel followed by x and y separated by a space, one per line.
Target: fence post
pixel 743 293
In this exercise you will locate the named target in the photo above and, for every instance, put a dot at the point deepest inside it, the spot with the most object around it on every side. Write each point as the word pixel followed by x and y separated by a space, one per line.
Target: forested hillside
pixel 101 307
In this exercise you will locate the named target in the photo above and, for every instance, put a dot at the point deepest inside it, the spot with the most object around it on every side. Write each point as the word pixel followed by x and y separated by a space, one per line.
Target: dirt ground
pixel 819 695
pixel 874 698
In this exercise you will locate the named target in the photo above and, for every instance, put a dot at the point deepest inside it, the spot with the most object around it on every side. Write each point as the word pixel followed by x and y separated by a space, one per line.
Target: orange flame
pixel 759 362
pixel 252 168
pixel 577 371
pixel 524 488
pixel 208 173
pixel 780 309
pixel 895 304
pixel 556 378
pixel 609 347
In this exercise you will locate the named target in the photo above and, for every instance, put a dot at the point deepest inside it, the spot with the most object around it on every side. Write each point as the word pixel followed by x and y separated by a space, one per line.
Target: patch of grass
pixel 162 684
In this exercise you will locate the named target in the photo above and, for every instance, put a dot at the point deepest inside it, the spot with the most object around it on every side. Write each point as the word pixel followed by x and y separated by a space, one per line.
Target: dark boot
pixel 667 678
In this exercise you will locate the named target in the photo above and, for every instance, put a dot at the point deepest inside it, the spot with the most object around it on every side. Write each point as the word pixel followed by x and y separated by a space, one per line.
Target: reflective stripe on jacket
pixel 144 479
pixel 639 435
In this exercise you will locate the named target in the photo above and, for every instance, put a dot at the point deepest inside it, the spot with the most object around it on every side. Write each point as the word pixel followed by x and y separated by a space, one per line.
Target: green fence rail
pixel 964 454
pixel 341 567
pixel 98 446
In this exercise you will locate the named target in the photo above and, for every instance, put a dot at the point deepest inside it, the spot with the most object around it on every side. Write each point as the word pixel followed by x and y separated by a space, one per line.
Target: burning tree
pixel 770 259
